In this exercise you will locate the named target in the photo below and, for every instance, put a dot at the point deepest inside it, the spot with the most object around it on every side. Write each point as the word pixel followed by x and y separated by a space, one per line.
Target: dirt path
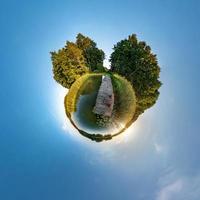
pixel 105 98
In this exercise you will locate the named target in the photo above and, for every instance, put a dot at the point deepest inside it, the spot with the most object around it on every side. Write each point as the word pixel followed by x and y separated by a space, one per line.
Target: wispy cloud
pixel 168 191
pixel 179 188
pixel 158 147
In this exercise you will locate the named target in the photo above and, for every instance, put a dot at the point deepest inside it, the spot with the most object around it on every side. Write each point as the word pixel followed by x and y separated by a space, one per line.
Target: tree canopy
pixel 134 60
pixel 93 56
pixel 76 59
pixel 131 59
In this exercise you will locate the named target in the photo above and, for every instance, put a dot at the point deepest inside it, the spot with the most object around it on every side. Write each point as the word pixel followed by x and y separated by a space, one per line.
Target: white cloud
pixel 158 147
pixel 64 126
pixel 179 188
pixel 106 63
pixel 57 104
pixel 167 192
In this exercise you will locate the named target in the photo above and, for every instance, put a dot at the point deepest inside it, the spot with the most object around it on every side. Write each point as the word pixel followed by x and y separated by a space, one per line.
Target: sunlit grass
pixel 125 99
pixel 71 97
pixel 124 102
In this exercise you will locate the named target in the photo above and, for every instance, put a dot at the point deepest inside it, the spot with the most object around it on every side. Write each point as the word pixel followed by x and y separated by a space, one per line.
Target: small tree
pixel 134 60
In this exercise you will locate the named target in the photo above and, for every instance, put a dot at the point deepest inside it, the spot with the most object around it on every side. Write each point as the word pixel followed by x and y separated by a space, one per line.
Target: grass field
pixel 76 89
pixel 124 101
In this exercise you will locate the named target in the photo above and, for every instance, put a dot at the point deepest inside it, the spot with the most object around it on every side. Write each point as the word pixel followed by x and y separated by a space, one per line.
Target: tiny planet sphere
pixel 100 105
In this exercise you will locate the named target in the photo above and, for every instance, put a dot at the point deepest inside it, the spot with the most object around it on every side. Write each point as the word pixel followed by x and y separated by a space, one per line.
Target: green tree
pixel 93 56
pixel 68 64
pixel 76 59
pixel 134 60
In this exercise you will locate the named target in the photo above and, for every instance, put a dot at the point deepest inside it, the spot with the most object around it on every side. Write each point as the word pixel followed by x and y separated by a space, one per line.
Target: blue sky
pixel 43 158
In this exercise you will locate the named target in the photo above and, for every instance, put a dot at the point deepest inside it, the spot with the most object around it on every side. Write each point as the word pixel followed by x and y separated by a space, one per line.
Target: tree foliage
pixel 76 59
pixel 134 60
pixel 93 56
pixel 68 64
pixel 131 58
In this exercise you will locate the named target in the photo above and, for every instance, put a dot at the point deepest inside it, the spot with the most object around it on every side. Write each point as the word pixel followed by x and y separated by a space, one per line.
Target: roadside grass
pixel 125 99
pixel 76 88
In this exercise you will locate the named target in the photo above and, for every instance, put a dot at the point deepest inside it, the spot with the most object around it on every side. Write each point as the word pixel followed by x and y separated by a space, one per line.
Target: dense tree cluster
pixel 76 59
pixel 134 60
pixel 131 59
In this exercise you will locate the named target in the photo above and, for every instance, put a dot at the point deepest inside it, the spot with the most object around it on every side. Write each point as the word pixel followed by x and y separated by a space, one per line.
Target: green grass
pixel 75 90
pixel 125 99
pixel 124 102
